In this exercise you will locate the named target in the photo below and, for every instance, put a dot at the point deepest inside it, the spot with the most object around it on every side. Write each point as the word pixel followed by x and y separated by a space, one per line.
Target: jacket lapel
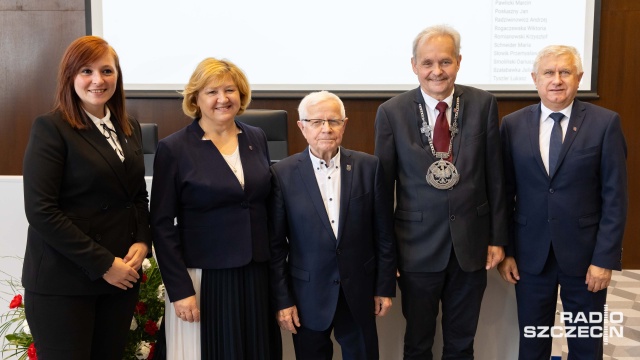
pixel 533 124
pixel 247 159
pixel 419 100
pixel 128 147
pixel 575 123
pixel 457 93
pixel 305 168
pixel 346 177
pixel 96 139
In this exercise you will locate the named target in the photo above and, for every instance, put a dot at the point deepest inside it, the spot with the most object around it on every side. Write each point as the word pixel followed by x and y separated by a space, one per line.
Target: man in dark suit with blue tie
pixel 565 166
pixel 332 245
pixel 439 146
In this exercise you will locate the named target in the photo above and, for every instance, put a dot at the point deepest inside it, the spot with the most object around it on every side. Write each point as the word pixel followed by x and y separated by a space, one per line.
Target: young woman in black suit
pixel 87 207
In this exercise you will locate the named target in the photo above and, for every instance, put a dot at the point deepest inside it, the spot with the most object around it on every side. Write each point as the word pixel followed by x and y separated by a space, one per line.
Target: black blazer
pixel 200 215
pixel 471 215
pixel 309 263
pixel 84 206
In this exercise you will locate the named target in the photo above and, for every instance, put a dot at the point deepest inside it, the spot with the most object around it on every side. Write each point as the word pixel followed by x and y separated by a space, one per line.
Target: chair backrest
pixel 149 145
pixel 274 125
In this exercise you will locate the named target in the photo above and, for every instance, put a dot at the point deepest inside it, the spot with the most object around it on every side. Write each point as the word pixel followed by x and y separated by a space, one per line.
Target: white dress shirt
pixel 546 125
pixel 112 138
pixel 328 178
pixel 432 112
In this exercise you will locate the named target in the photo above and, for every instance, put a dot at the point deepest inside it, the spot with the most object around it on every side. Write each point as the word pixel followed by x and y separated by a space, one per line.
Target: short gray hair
pixel 558 50
pixel 438 30
pixel 317 97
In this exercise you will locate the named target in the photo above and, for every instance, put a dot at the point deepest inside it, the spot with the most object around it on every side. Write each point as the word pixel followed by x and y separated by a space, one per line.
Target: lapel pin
pixel 575 128
pixel 348 167
pixel 250 147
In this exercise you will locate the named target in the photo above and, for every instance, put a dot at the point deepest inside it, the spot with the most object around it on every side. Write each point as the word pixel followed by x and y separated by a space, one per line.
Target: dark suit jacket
pixel 309 264
pixel 471 215
pixel 219 225
pixel 581 211
pixel 84 206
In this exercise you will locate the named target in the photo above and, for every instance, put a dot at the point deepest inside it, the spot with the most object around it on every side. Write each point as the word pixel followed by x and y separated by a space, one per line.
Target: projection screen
pixel 339 45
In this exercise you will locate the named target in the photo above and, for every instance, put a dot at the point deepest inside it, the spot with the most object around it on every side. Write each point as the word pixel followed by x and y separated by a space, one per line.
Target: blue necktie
pixel 555 142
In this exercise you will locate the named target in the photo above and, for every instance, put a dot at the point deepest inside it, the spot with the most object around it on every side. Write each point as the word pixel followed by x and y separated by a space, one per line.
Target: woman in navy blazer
pixel 87 206
pixel 209 223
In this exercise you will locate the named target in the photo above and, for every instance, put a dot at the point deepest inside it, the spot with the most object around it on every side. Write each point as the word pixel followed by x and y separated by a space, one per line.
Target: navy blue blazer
pixel 582 210
pixel 428 222
pixel 309 264
pixel 200 215
pixel 83 204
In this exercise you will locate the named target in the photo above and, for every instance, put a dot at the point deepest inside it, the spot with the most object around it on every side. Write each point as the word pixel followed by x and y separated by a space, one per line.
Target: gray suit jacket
pixel 428 221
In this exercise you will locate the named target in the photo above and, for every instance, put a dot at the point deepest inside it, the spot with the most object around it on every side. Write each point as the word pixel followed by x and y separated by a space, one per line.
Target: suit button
pixel 128 205
pixel 339 251
pixel 551 191
pixel 104 206
pixel 98 237
pixel 244 204
pixel 337 282
pixel 452 217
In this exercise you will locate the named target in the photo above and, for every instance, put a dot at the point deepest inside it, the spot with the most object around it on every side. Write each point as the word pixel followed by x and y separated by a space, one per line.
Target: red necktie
pixel 441 134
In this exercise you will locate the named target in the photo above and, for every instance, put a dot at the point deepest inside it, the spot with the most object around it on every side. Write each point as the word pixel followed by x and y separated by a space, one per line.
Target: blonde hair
pixel 217 71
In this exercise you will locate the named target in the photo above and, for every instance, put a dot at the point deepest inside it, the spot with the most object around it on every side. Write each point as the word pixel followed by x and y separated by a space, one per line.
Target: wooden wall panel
pixel 619 89
pixel 33 36
pixel 34 33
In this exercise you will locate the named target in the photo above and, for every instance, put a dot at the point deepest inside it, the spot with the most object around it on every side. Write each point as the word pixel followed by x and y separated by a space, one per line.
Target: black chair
pixel 149 145
pixel 274 124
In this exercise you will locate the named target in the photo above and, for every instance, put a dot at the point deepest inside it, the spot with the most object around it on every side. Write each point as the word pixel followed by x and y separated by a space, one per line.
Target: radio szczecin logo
pixel 583 325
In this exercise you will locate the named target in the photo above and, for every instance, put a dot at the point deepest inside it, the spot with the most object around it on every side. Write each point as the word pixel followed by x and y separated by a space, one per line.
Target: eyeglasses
pixel 316 123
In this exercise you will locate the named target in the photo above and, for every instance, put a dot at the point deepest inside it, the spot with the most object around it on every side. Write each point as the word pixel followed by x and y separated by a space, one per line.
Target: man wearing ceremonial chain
pixel 439 145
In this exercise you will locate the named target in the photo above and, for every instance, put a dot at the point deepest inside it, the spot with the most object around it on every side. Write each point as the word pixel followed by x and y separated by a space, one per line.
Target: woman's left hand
pixel 137 253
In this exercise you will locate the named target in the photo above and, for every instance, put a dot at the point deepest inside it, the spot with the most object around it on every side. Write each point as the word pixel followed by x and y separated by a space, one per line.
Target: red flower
pixel 144 278
pixel 141 308
pixel 16 302
pixel 151 327
pixel 31 352
pixel 152 351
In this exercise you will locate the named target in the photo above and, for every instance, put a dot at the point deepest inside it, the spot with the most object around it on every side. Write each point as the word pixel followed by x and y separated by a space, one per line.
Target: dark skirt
pixel 236 319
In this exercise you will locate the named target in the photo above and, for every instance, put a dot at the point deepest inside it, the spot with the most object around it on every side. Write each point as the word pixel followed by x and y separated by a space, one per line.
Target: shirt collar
pixel 545 111
pixel 320 163
pixel 431 102
pixel 105 120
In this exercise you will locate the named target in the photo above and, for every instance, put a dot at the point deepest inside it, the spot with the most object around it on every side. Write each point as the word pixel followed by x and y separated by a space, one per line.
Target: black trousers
pixel 80 327
pixel 459 292
pixel 357 341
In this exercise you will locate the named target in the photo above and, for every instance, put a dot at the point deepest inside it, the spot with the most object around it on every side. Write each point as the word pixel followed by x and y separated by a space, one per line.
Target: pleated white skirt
pixel 183 337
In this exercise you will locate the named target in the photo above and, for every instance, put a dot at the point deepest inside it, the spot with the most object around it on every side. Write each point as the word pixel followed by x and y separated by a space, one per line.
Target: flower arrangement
pixel 148 314
pixel 14 324
pixel 144 324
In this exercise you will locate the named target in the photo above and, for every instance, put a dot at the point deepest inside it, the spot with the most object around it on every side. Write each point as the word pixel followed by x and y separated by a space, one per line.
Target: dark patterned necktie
pixel 441 133
pixel 555 142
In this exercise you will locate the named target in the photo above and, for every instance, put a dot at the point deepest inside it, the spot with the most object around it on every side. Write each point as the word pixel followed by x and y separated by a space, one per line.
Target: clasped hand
pixel 123 273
